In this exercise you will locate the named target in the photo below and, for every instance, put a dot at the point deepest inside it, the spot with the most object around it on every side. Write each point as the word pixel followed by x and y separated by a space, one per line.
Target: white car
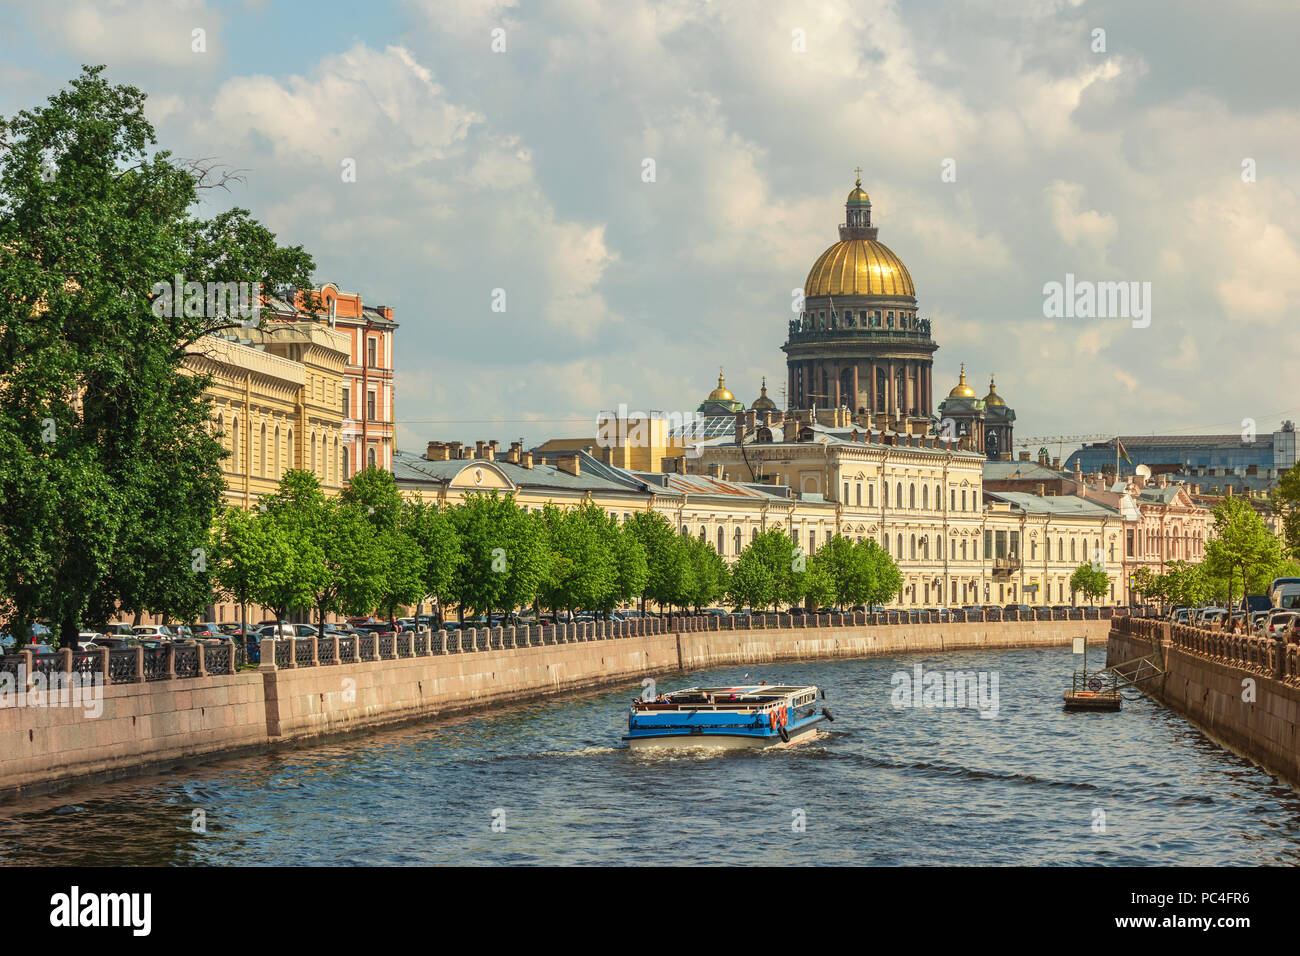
pixel 1280 624
pixel 153 632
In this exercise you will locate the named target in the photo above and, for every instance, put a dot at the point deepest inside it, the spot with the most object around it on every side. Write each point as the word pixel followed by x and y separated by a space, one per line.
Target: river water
pixel 551 783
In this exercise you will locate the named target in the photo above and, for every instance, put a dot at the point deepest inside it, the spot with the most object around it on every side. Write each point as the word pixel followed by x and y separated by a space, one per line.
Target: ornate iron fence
pixel 155 663
pixel 186 660
pixel 387 646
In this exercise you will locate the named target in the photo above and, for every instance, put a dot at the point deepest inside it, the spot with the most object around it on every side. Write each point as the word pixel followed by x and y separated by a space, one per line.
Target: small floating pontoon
pixel 726 718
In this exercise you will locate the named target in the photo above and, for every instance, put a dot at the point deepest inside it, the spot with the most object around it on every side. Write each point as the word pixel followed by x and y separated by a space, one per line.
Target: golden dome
pixel 961 389
pixel 721 394
pixel 859 267
pixel 763 402
pixel 993 398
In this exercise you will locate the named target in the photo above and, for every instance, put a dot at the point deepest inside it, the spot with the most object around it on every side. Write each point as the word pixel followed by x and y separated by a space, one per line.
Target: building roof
pixel 593 475
pixel 1020 470
pixel 1062 505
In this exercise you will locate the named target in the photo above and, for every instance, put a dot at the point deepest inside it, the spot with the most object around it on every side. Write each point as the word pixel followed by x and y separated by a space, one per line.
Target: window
pixel 871 496
pixel 859 494
pixel 1128 542
pixel 372 351
pixel 912 543
pixel 370 457
pixel 370 406
pixel 954 500
pixel 812 541
pixel 911 497
pixel 347 470
pixel 963 499
pixel 988 542
pixel 262 463
pixel 845 499
pixel 899 489
pixel 740 539
pixel 347 402
pixel 234 445
pixel 722 541
pixel 925 498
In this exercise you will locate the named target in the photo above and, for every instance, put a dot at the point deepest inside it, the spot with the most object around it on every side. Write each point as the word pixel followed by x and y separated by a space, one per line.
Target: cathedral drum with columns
pixel 859 343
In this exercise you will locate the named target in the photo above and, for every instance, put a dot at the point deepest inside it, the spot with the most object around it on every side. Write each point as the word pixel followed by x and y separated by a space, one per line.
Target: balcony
pixel 1006 565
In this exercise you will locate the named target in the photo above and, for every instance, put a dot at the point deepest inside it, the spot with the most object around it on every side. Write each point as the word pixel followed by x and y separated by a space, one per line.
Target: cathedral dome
pixel 858 267
pixel 858 264
pixel 721 393
pixel 763 403
pixel 961 389
pixel 993 398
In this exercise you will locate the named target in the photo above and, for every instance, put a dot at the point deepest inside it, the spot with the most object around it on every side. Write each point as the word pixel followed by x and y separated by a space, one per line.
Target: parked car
pixel 115 642
pixel 118 629
pixel 157 632
pixel 1281 623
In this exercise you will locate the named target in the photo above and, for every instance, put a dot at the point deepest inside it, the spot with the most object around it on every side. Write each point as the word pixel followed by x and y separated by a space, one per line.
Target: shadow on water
pixel 550 782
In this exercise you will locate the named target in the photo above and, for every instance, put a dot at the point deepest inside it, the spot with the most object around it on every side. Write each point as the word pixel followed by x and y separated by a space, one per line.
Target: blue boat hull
pixel 690 730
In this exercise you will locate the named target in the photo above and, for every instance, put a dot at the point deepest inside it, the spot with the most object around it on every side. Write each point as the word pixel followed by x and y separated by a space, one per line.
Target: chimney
pixel 1042 457
pixel 740 428
pixel 1041 490
pixel 453 449
pixel 751 419
pixel 1162 480
pixel 385 311
pixel 672 466
pixel 790 429
pixel 1024 456
pixel 715 470
pixel 569 463
pixel 516 449
pixel 481 450
pixel 1056 464
pixel 437 451
pixel 853 435
pixel 526 459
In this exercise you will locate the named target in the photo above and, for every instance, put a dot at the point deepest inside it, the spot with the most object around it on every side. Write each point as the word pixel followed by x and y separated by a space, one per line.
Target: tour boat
pixel 726 718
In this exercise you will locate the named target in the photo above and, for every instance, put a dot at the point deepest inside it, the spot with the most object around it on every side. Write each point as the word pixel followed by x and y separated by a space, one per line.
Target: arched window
pixel 938 497
pixel 262 463
pixel 911 497
pixel 1072 553
pixel 370 458
pixel 704 533
pixel 1060 549
pixel 884 490
pixel 234 444
pixel 277 453
pixel 912 551
pixel 338 462
pixel 753 534
pixel 292 456
pixel 312 442
pixel 899 490
pixel 925 498
pixel 900 546
pixel 722 541
pixel 347 473
pixel 886 544
pixel 740 539
pixel 685 530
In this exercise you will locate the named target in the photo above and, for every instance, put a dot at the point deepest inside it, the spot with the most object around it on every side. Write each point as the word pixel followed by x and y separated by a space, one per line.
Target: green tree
pixel 633 567
pixel 434 534
pixel 765 573
pixel 1143 582
pixel 353 575
pixel 708 578
pixel 296 518
pixel 886 580
pixel 1285 501
pixel 850 569
pixel 108 471
pixel 248 557
pixel 1240 544
pixel 1089 580
pixel 661 545
pixel 584 565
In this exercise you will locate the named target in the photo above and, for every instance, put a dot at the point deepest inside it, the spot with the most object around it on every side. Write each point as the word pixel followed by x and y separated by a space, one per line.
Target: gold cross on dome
pixel 858 171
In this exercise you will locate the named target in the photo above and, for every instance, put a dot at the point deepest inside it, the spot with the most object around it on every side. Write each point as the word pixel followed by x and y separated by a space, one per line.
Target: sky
pixel 502 145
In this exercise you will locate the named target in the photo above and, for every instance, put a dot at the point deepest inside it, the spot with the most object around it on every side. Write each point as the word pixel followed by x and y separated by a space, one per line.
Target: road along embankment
pixel 1242 692
pixel 171 707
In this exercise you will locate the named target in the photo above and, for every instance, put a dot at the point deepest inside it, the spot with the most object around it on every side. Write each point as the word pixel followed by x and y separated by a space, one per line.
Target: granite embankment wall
pixel 1243 692
pixel 304 691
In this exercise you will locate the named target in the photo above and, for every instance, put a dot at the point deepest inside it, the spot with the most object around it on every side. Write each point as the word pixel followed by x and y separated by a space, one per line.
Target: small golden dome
pixel 763 402
pixel 961 389
pixel 993 398
pixel 859 267
pixel 859 195
pixel 721 393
